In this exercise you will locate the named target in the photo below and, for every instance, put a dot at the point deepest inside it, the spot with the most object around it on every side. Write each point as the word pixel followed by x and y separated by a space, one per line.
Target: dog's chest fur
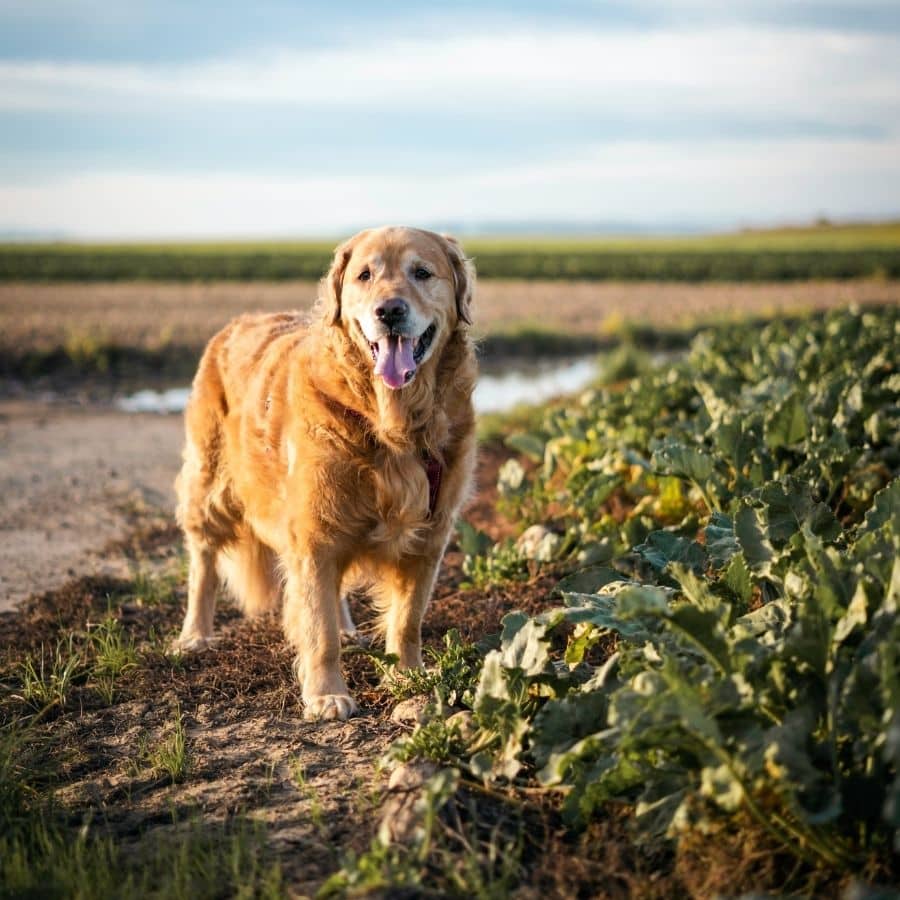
pixel 366 496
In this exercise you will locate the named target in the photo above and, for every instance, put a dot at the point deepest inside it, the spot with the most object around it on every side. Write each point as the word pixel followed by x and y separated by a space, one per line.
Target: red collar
pixel 435 472
pixel 434 469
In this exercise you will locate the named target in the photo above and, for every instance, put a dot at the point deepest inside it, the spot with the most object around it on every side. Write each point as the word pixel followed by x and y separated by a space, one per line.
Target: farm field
pixel 156 328
pixel 682 681
pixel 789 254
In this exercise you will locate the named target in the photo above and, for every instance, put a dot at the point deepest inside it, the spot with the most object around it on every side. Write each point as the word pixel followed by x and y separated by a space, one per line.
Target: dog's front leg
pixel 312 626
pixel 408 589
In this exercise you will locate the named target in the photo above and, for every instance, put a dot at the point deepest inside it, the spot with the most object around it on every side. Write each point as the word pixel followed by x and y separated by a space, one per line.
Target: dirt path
pixel 74 481
pixel 255 781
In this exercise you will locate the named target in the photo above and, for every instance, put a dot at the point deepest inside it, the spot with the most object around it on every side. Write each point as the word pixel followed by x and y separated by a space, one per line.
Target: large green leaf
pixel 590 489
pixel 587 581
pixel 752 535
pixel 737 577
pixel 662 548
pixel 721 542
pixel 787 507
pixel 472 542
pixel 523 645
pixel 788 424
pixel 885 510
pixel 677 458
pixel 560 723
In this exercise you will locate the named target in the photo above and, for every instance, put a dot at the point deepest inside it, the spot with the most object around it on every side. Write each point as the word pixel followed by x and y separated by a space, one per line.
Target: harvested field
pixel 161 327
pixel 150 313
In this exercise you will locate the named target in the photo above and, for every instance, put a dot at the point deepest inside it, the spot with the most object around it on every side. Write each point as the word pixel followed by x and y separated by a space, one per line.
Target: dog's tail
pixel 250 572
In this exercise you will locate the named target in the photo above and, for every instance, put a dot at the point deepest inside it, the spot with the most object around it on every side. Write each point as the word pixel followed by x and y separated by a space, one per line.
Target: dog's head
pixel 399 293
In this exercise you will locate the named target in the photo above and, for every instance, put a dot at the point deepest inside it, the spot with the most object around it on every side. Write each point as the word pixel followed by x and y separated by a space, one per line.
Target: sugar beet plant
pixel 732 645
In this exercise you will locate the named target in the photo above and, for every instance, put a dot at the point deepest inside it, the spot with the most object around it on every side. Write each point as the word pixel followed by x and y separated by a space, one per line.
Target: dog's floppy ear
pixel 463 278
pixel 333 282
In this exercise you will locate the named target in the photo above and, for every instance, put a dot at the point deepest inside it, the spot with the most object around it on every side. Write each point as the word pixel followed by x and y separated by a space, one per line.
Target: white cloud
pixel 756 71
pixel 639 182
pixel 716 79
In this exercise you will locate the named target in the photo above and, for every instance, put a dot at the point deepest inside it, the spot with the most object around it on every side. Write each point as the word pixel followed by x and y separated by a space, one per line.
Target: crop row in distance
pixel 785 255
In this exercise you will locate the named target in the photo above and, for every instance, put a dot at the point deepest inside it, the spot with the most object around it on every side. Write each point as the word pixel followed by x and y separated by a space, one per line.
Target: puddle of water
pixel 501 391
pixel 173 400
pixel 495 392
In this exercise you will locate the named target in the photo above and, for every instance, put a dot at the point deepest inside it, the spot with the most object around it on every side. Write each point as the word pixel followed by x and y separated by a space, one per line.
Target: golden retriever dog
pixel 331 452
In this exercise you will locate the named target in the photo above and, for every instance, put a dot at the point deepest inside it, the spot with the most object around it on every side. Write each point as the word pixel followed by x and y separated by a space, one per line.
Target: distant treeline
pixel 773 256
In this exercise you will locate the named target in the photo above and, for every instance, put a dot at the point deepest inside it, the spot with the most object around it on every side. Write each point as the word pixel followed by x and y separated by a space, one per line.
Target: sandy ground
pixel 77 481
pixel 73 481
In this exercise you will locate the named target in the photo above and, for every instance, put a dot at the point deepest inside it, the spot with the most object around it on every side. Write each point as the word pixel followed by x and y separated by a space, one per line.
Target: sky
pixel 160 119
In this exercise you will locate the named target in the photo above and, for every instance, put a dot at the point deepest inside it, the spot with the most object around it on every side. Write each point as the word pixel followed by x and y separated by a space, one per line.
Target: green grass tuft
pixel 170 756
pixel 49 676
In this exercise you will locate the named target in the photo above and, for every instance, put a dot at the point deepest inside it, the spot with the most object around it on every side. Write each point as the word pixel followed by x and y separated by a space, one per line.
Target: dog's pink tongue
pixel 395 362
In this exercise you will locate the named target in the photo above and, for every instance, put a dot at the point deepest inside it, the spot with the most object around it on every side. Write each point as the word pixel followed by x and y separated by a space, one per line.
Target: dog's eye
pixel 365 275
pixel 422 274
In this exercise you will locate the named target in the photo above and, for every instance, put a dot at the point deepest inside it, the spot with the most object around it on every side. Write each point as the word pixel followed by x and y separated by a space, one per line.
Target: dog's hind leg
pixel 350 634
pixel 208 523
pixel 249 569
pixel 203 581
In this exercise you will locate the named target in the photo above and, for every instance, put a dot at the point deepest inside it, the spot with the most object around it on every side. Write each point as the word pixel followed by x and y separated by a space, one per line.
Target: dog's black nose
pixel 392 312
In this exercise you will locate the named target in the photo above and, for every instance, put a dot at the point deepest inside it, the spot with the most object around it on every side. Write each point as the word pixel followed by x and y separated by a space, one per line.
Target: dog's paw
pixel 193 643
pixel 330 706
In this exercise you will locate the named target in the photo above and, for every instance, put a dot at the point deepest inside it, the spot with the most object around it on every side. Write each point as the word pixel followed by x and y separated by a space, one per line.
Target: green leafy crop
pixel 732 620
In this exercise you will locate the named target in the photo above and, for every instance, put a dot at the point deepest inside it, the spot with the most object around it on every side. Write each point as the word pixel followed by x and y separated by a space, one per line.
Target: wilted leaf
pixel 510 478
